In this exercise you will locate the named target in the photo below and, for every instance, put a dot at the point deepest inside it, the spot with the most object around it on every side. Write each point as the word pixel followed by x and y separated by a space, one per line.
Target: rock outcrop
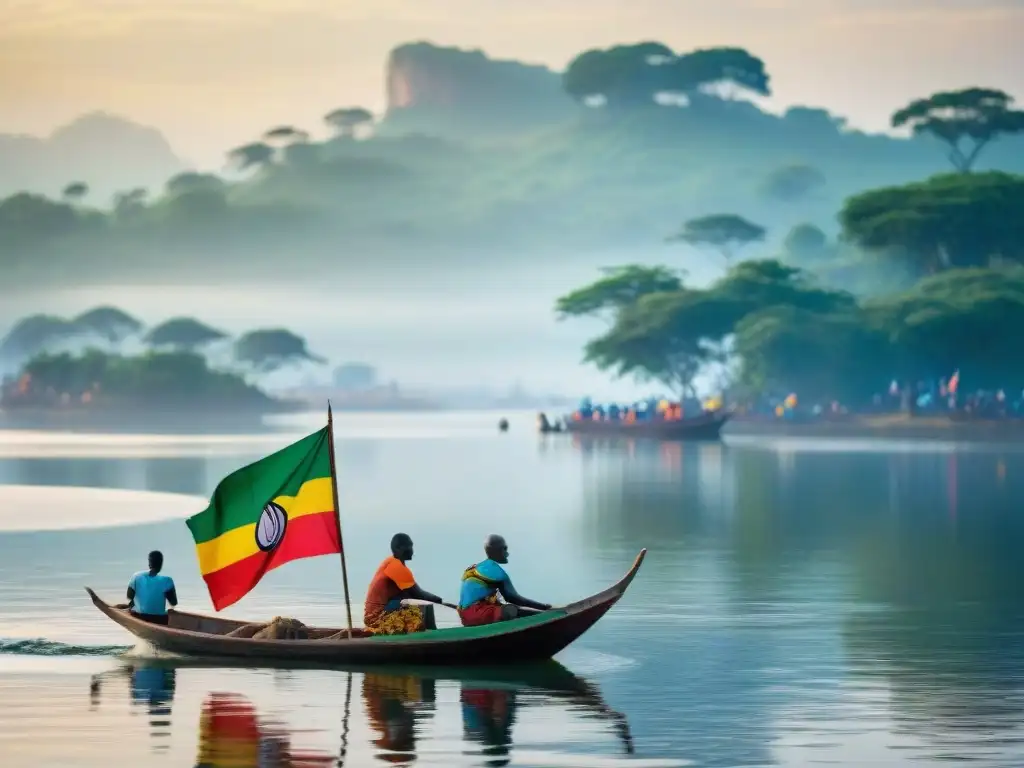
pixel 450 90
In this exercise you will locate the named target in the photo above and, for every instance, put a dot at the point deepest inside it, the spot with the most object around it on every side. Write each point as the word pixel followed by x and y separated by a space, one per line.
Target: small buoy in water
pixel 503 425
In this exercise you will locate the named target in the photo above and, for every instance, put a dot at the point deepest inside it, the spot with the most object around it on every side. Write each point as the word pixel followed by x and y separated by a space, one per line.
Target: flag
pixel 278 509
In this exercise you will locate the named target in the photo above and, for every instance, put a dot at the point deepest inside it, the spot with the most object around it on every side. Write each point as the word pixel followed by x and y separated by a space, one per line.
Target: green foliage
pixel 268 350
pixel 75 191
pixel 621 287
pixel 966 121
pixel 725 232
pixel 254 155
pixel 806 245
pixel 634 75
pixel 953 220
pixel 165 378
pixel 347 120
pixel 788 333
pixel 183 334
pixel 110 323
pixel 820 355
pixel 32 334
pixel 792 183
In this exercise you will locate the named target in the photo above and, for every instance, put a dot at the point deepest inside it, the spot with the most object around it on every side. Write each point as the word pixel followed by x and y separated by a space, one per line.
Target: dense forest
pixel 107 356
pixel 611 154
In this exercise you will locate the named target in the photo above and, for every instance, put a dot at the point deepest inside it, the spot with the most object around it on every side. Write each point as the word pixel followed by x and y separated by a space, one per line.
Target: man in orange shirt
pixel 383 612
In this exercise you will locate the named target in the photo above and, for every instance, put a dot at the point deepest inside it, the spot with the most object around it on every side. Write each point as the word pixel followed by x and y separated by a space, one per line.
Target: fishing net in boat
pixel 278 628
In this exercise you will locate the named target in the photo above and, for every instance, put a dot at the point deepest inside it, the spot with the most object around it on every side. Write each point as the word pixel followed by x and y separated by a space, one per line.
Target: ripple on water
pixel 57 508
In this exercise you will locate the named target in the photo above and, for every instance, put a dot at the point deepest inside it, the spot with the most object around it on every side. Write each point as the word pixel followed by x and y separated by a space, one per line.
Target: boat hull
pixel 529 639
pixel 706 427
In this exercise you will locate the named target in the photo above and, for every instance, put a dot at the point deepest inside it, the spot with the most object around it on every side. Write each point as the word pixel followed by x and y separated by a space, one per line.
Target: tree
pixel 620 288
pixel 725 232
pixel 109 323
pixel 806 244
pixel 347 120
pixel 966 121
pixel 35 334
pixel 722 71
pixel 255 155
pixel 130 203
pixel 75 191
pixel 965 319
pixel 25 216
pixel 190 181
pixel 820 356
pixel 184 334
pixel 268 350
pixel 623 76
pixel 118 381
pixel 666 337
pixel 792 183
pixel 952 220
pixel 285 134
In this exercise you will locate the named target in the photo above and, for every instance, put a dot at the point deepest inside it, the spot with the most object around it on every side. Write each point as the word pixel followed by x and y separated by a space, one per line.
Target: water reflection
pixel 400 708
pixel 151 692
pixel 915 558
pixel 396 707
pixel 233 735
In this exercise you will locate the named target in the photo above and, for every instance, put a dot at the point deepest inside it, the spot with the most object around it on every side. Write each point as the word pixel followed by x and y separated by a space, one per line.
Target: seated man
pixel 483 582
pixel 383 612
pixel 150 591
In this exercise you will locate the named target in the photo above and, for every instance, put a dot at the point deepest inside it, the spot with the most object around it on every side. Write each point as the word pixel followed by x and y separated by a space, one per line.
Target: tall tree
pixel 285 134
pixel 952 220
pixel 724 232
pixel 182 334
pixel 255 155
pixel 666 337
pixel 966 121
pixel 268 350
pixel 620 287
pixel 722 71
pixel 113 324
pixel 347 120
pixel 75 192
pixel 622 76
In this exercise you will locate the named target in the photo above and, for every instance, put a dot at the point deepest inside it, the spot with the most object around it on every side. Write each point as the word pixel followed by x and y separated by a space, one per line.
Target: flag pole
pixel 337 514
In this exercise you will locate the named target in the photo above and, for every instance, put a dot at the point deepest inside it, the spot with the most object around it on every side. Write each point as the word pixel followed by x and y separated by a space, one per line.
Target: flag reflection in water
pixel 231 735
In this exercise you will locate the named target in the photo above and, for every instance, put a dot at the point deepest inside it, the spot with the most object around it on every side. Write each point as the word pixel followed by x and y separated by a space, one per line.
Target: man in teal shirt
pixel 150 591
pixel 483 582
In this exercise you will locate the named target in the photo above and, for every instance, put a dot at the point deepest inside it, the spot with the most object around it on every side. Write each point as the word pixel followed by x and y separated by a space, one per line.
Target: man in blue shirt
pixel 150 591
pixel 483 582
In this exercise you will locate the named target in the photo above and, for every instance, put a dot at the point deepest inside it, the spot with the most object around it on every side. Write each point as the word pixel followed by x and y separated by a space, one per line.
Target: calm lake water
pixel 844 603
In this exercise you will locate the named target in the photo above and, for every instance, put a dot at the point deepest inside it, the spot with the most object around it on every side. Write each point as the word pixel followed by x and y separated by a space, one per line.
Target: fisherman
pixel 484 582
pixel 150 591
pixel 383 612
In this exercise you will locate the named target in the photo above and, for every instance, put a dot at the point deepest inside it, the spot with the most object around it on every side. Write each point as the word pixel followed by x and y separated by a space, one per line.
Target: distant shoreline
pixel 885 427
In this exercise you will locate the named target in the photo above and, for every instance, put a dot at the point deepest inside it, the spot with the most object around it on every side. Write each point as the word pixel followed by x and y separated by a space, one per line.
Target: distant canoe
pixel 531 638
pixel 707 426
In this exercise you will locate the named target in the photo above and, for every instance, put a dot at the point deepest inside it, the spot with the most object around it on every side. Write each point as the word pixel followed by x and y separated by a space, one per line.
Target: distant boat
pixel 707 426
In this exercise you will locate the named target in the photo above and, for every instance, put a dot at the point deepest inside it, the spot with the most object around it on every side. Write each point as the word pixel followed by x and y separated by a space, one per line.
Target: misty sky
pixel 212 73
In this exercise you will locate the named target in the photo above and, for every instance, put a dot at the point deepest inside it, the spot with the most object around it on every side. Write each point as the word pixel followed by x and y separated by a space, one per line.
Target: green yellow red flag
pixel 278 509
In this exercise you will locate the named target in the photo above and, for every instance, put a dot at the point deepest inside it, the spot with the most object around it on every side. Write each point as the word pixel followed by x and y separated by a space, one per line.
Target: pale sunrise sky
pixel 213 73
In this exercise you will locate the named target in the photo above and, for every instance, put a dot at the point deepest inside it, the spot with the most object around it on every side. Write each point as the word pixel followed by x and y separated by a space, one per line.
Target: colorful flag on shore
pixel 278 509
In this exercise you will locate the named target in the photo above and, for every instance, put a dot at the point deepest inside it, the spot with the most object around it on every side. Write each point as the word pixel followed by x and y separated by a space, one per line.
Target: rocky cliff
pixel 450 90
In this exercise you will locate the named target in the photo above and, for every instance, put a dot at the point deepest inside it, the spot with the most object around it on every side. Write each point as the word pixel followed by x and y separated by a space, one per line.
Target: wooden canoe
pixel 707 426
pixel 531 638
